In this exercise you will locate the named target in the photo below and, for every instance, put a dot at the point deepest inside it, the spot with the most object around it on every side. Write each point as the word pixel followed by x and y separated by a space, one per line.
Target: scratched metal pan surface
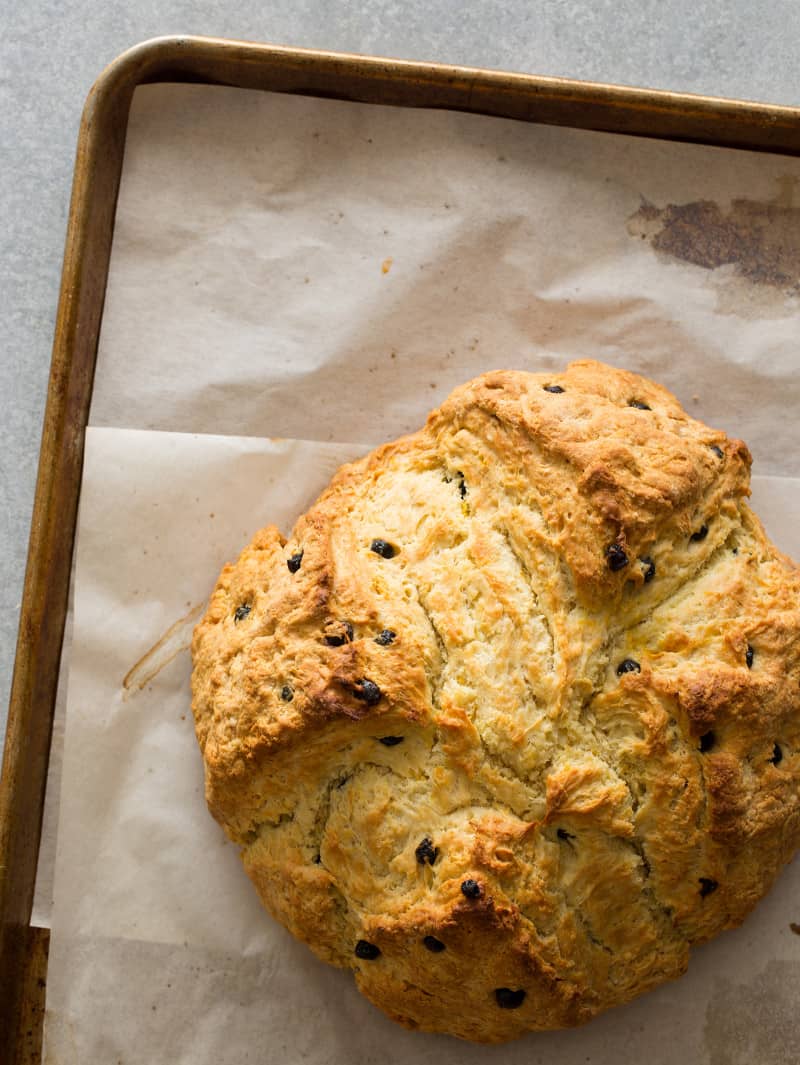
pixel 647 113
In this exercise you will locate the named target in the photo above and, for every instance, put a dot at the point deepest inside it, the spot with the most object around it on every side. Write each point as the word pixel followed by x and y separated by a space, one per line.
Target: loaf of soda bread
pixel 511 720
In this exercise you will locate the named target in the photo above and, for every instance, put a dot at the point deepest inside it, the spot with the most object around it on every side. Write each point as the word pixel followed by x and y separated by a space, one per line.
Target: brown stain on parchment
pixel 757 1022
pixel 177 638
pixel 759 241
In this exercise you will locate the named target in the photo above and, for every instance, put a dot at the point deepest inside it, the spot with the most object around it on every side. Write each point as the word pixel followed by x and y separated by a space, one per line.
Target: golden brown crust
pixel 588 706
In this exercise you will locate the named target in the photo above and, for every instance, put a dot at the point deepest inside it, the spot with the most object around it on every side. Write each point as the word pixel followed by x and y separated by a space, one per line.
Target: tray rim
pixel 98 164
pixel 601 106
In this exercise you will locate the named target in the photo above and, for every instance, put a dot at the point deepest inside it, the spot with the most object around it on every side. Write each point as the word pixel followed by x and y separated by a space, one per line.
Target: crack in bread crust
pixel 454 720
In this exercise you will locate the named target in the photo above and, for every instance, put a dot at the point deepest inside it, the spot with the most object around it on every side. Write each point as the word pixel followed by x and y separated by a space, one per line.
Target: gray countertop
pixel 51 53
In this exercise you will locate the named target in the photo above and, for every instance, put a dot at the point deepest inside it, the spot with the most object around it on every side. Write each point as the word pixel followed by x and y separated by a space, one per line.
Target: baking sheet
pixel 285 267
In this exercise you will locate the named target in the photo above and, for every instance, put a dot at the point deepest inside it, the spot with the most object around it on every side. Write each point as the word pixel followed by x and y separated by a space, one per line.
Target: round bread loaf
pixel 511 720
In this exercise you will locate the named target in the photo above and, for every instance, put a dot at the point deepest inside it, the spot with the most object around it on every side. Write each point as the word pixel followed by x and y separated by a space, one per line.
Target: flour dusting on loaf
pixel 512 718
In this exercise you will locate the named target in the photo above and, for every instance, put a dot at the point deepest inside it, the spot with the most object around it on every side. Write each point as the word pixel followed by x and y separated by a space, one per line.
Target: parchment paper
pixel 330 271
pixel 291 267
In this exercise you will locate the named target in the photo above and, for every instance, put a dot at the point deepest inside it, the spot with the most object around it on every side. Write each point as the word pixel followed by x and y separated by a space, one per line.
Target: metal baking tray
pixel 101 143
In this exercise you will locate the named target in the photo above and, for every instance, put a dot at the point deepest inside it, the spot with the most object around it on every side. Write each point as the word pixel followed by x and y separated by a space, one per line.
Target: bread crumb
pixel 386 266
